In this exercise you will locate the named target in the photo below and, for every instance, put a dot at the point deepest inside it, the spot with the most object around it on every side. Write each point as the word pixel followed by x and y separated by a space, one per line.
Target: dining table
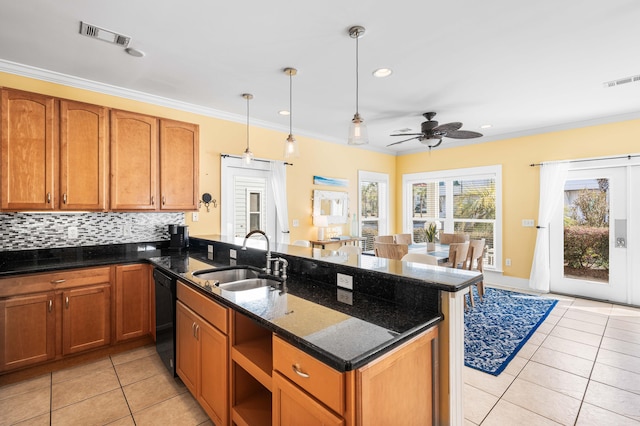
pixel 440 251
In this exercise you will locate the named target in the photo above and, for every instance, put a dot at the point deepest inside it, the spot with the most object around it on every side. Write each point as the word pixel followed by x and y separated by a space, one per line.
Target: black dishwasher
pixel 165 318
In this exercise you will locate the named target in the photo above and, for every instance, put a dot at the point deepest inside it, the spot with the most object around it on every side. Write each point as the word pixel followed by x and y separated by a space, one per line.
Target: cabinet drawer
pixel 315 377
pixel 37 283
pixel 211 311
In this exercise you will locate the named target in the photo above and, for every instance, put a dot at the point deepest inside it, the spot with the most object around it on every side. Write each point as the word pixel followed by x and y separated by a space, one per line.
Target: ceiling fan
pixel 432 134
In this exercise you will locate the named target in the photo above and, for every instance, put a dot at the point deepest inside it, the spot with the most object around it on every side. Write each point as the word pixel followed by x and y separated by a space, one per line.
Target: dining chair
pixel 402 239
pixel 475 258
pixel 420 258
pixel 457 254
pixel 384 239
pixel 350 249
pixel 302 243
pixel 457 237
pixel 390 250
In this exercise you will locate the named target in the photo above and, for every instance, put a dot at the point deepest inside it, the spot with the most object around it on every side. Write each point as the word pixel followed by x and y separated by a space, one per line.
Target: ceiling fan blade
pixel 448 127
pixel 407 134
pixel 463 134
pixel 406 140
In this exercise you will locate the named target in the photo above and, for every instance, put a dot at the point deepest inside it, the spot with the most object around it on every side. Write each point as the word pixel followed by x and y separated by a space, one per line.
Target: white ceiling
pixel 523 67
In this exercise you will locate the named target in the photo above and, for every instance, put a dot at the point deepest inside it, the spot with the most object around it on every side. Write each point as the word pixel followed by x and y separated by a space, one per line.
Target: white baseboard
pixel 492 278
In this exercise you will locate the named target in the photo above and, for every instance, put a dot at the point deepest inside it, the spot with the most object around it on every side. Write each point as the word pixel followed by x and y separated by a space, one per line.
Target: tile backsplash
pixel 26 231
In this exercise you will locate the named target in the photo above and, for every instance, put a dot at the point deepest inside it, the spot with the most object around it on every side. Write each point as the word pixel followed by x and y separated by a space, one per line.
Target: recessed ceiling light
pixel 284 112
pixel 382 72
pixel 486 126
pixel 134 52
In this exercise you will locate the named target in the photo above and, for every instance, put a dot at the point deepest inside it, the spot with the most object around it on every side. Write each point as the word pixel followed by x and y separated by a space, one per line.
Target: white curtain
pixel 279 185
pixel 552 179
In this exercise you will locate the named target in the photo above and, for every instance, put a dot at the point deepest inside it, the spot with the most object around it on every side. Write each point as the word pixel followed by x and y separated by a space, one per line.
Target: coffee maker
pixel 179 235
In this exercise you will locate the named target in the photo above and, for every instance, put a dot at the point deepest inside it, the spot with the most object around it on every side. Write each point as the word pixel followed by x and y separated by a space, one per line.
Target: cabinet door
pixel 134 158
pixel 187 354
pixel 212 390
pixel 83 156
pixel 132 301
pixel 179 165
pixel 29 149
pixel 293 407
pixel 86 318
pixel 27 330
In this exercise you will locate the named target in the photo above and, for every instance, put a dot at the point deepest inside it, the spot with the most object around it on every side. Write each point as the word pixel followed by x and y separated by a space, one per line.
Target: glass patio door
pixel 589 237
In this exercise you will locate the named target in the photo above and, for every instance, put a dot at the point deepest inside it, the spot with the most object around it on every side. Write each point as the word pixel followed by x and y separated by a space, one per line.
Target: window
pixel 373 217
pixel 460 200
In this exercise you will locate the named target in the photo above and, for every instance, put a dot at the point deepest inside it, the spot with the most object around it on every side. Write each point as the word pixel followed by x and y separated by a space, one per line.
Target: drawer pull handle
pixel 50 305
pixel 66 302
pixel 296 369
pixel 193 329
pixel 57 281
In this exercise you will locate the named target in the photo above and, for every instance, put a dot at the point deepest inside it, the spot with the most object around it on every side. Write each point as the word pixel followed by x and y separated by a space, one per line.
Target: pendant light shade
pixel 291 145
pixel 358 134
pixel 247 155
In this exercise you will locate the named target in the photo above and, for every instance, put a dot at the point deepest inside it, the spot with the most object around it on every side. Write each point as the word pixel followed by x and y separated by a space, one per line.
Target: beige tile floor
pixel 581 367
pixel 131 388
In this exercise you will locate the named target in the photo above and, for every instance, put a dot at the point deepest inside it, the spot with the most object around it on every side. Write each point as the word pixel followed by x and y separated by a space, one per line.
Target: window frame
pixel 450 175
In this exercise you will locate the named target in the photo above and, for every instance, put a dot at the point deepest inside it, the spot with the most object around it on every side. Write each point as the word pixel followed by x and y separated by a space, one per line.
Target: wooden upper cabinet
pixel 134 161
pixel 179 146
pixel 83 156
pixel 28 139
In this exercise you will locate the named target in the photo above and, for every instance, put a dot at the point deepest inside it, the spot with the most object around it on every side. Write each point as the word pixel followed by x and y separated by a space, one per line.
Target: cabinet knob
pixel 296 369
pixel 193 329
pixel 48 198
pixel 66 302
pixel 153 200
pixel 164 200
pixel 50 305
pixel 64 198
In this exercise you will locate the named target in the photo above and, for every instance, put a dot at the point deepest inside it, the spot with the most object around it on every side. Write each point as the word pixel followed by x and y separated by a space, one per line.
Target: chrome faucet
pixel 267 270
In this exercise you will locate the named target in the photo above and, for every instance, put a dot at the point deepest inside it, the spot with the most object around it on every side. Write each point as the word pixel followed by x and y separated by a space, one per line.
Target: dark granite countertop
pixel 343 334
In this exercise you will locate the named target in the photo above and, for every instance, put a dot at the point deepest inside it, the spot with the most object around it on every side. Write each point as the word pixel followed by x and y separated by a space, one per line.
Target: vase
pixel 431 246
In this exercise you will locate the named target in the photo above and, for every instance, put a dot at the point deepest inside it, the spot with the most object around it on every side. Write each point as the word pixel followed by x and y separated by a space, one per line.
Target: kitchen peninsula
pixel 391 304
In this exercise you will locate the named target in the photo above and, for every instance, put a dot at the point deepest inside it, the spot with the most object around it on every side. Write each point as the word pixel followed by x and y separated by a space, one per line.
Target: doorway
pixel 594 237
pixel 248 201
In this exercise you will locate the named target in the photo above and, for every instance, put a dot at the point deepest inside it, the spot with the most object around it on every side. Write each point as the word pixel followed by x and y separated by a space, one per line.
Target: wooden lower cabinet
pixel 132 293
pixel 86 318
pixel 27 330
pixel 292 406
pixel 201 351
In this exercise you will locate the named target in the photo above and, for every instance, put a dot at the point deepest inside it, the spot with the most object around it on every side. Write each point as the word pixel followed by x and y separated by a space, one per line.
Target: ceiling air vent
pixel 621 81
pixel 104 35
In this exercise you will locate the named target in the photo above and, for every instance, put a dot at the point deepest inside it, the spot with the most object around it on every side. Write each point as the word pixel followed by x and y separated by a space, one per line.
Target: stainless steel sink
pixel 249 284
pixel 226 275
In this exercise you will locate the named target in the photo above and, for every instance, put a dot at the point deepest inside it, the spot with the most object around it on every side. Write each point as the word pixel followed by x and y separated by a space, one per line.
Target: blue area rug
pixel 496 328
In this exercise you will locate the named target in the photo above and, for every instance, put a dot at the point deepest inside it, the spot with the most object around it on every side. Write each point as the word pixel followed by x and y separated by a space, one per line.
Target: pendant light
pixel 291 145
pixel 357 130
pixel 247 155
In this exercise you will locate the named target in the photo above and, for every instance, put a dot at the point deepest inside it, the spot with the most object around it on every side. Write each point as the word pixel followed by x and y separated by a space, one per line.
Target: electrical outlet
pixel 232 254
pixel 210 248
pixel 126 229
pixel 528 223
pixel 345 281
pixel 507 262
pixel 194 216
pixel 296 223
pixel 345 296
pixel 72 232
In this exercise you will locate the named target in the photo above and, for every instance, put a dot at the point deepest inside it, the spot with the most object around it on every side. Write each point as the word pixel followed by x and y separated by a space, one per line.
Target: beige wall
pixel 520 182
pixel 220 136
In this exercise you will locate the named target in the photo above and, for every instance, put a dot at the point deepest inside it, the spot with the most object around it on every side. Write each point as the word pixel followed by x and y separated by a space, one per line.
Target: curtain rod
pixel 628 157
pixel 255 159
